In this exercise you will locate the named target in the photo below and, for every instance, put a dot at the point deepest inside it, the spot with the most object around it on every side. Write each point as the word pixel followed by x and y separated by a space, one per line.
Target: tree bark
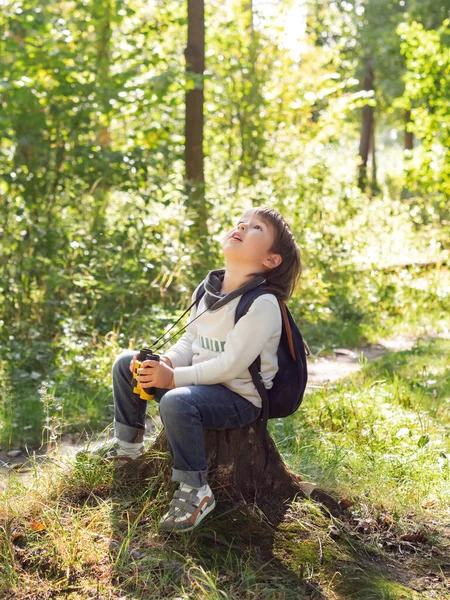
pixel 409 136
pixel 374 187
pixel 236 459
pixel 407 154
pixel 366 126
pixel 197 235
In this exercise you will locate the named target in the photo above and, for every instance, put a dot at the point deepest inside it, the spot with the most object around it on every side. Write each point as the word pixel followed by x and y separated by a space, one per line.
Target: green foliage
pixel 65 157
pixel 427 90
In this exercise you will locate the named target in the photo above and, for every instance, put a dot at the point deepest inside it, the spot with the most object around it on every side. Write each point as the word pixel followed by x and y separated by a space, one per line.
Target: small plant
pixel 362 359
pixel 53 410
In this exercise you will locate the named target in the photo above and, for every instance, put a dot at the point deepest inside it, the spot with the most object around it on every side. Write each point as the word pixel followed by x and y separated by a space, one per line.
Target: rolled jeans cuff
pixel 195 478
pixel 128 434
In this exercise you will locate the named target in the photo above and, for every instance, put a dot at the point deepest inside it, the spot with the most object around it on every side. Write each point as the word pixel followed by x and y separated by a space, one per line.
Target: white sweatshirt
pixel 215 350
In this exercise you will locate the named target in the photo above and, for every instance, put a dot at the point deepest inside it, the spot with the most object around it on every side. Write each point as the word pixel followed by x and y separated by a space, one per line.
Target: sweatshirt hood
pixel 214 299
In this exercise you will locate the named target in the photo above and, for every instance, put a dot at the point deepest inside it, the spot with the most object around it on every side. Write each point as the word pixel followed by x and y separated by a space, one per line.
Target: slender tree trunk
pixel 102 15
pixel 374 187
pixel 366 127
pixel 409 136
pixel 251 101
pixel 408 148
pixel 195 181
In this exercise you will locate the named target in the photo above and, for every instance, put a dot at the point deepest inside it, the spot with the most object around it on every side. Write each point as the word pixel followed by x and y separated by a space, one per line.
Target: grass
pixel 385 428
pixel 378 439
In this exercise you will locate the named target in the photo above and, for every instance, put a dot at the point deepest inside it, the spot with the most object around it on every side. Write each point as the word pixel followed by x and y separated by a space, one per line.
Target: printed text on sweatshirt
pixel 215 350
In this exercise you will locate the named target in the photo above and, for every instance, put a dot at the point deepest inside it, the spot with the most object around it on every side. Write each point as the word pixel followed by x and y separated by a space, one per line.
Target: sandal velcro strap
pixel 187 506
pixel 183 494
pixel 188 501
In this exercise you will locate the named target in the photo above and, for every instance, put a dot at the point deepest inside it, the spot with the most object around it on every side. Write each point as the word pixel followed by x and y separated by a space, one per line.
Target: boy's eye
pixel 253 225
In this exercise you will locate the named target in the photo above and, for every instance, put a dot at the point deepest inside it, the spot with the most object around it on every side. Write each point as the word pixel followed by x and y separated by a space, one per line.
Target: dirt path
pixel 326 369
pixel 322 370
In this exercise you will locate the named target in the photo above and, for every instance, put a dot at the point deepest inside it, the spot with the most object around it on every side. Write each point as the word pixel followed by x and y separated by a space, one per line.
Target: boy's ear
pixel 273 261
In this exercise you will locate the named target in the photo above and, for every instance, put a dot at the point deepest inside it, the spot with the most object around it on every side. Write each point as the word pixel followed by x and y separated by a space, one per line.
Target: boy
pixel 203 380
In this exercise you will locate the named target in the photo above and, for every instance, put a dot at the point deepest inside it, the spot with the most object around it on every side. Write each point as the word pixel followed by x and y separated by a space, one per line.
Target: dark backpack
pixel 289 383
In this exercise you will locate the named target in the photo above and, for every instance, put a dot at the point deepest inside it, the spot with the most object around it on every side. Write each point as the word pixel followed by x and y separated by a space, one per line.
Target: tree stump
pixel 236 459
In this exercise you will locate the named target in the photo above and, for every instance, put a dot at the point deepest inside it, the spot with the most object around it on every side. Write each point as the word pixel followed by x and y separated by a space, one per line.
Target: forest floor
pixel 372 436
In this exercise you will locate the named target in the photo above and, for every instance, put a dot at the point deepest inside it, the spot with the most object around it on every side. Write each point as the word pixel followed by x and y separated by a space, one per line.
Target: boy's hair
pixel 281 280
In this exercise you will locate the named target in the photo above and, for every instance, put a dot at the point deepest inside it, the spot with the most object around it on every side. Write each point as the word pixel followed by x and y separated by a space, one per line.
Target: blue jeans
pixel 184 412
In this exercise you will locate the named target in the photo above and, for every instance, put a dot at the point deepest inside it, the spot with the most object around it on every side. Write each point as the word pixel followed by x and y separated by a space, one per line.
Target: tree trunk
pixel 236 459
pixel 102 14
pixel 407 154
pixel 374 187
pixel 366 126
pixel 197 235
pixel 409 136
pixel 251 99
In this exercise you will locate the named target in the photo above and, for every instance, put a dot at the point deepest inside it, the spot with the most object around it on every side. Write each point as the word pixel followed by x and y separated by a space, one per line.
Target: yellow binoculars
pixel 147 393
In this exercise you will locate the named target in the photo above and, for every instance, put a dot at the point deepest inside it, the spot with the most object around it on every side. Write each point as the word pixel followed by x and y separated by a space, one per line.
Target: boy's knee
pixel 176 402
pixel 123 360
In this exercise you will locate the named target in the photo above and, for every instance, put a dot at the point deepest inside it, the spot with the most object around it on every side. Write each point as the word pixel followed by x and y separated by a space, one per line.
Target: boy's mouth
pixel 236 236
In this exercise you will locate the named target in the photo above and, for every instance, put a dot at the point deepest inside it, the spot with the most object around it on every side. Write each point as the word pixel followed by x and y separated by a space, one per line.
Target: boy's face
pixel 257 238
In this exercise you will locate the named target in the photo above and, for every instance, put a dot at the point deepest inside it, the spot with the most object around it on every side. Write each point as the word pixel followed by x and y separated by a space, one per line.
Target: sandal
pixel 112 451
pixel 187 509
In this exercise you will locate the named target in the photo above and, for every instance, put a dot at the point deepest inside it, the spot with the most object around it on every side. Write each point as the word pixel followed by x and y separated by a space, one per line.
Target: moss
pixel 363 581
pixel 300 545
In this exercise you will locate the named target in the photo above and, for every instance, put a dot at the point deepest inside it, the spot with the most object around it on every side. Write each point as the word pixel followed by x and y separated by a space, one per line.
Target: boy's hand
pixel 161 358
pixel 133 361
pixel 164 358
pixel 155 374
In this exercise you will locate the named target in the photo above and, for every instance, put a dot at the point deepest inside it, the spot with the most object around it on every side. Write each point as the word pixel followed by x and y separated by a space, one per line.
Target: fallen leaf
pixel 414 538
pixel 36 526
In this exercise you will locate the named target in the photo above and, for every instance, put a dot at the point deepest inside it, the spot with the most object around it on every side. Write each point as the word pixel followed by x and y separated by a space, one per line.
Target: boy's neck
pixel 233 280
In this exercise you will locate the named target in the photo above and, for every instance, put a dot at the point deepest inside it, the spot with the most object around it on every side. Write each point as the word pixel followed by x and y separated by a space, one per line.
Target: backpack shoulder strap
pixel 245 301
pixel 243 306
